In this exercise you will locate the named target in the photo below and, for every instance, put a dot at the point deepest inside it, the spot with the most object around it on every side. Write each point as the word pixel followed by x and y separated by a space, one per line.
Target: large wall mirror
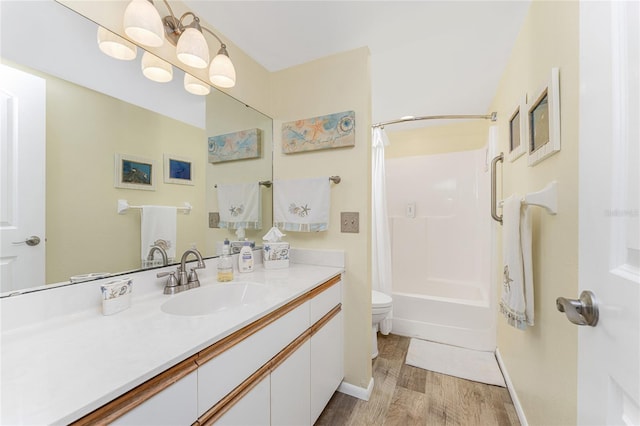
pixel 98 108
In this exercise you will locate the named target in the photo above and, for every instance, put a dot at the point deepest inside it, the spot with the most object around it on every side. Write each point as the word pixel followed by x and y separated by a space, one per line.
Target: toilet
pixel 380 307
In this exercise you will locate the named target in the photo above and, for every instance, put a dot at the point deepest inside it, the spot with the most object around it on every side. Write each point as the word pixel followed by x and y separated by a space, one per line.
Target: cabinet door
pixel 175 405
pixel 327 364
pixel 290 389
pixel 252 410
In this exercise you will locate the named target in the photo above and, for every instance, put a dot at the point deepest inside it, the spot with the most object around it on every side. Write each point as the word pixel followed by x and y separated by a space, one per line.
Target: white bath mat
pixel 454 361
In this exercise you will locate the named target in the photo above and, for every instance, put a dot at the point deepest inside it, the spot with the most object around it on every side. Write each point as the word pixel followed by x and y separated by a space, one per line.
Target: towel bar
pixel 267 183
pixel 123 206
pixel 546 198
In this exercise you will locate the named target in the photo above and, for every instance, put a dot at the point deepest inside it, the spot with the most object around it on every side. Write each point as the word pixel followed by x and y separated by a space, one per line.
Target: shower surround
pixel 441 248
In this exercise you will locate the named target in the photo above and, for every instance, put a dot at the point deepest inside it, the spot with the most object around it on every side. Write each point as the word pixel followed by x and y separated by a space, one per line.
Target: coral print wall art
pixel 235 146
pixel 328 131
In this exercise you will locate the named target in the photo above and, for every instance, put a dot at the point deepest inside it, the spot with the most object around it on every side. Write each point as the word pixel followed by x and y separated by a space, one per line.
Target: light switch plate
pixel 214 220
pixel 350 222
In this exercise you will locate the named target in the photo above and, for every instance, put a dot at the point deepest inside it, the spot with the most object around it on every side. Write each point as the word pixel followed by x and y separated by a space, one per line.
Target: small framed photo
pixel 518 131
pixel 543 117
pixel 133 172
pixel 178 170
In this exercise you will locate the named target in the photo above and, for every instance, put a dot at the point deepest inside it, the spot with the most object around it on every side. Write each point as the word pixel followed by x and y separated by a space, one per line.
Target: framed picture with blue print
pixel 178 170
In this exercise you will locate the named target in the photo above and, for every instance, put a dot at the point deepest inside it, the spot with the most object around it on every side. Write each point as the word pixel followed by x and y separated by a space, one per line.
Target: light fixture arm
pixel 217 38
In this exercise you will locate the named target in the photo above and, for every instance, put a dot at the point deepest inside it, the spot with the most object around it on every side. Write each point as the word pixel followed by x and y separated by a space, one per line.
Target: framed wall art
pixel 132 172
pixel 240 145
pixel 518 125
pixel 543 118
pixel 178 170
pixel 324 132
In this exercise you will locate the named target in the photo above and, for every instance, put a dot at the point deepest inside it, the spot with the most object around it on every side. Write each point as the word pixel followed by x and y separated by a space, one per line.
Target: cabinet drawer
pixel 220 375
pixel 175 405
pixel 325 301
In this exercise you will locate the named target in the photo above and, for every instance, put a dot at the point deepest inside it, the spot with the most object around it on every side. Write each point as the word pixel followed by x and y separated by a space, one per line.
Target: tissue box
pixel 275 255
pixel 116 296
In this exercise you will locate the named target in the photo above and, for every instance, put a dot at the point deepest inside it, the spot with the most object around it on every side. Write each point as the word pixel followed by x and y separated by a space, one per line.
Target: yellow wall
pixel 84 232
pixel 541 361
pixel 333 84
pixel 437 139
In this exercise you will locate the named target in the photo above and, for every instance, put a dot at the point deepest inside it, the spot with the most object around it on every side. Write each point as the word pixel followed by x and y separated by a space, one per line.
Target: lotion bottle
pixel 225 264
pixel 245 258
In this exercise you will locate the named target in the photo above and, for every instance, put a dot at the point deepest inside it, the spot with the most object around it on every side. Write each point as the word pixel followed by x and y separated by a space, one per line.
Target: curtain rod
pixel 493 117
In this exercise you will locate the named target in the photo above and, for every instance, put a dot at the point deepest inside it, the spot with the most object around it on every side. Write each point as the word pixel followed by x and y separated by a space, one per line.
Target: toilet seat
pixel 380 300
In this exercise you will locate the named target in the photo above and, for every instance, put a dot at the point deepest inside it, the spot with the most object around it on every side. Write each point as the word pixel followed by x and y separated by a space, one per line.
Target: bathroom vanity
pixel 274 355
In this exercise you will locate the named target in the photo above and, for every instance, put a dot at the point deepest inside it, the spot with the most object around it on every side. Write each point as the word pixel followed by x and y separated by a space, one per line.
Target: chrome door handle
pixel 31 241
pixel 582 311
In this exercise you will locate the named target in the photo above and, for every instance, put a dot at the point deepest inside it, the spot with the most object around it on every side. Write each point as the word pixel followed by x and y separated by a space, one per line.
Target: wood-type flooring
pixel 406 395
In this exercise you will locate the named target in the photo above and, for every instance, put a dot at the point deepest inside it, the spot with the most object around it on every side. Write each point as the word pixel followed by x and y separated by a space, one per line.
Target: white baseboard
pixel 356 391
pixel 511 389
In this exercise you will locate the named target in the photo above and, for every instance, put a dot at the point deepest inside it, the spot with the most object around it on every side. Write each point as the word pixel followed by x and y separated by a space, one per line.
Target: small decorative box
pixel 116 296
pixel 275 255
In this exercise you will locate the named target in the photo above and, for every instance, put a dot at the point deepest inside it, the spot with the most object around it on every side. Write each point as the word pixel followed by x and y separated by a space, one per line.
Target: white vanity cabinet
pixel 281 369
pixel 175 405
pixel 291 389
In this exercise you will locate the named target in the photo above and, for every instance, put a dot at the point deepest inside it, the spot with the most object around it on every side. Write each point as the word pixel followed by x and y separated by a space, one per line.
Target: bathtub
pixel 441 249
pixel 453 313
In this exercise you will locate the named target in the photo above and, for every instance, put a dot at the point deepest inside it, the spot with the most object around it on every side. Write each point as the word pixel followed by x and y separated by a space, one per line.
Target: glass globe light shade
pixel 192 49
pixel 195 86
pixel 156 69
pixel 221 72
pixel 143 24
pixel 115 46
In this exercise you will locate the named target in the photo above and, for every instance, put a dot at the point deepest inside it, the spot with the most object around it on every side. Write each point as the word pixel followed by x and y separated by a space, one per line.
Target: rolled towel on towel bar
pixel 516 302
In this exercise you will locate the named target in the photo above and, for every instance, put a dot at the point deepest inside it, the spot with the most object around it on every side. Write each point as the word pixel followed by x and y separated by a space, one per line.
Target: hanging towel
pixel 301 204
pixel 516 303
pixel 158 227
pixel 240 205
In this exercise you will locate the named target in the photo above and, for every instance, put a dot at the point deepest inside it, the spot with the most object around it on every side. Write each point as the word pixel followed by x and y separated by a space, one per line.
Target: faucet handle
pixel 172 281
pixel 193 280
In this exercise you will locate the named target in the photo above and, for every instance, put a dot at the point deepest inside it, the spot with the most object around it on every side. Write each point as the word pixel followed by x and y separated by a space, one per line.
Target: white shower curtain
pixel 381 240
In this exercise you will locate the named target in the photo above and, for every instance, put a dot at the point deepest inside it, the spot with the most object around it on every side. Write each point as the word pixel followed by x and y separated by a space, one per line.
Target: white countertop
pixel 56 371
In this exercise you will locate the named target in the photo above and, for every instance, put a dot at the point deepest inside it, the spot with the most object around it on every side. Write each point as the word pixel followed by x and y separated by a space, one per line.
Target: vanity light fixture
pixel 156 69
pixel 195 86
pixel 115 46
pixel 143 24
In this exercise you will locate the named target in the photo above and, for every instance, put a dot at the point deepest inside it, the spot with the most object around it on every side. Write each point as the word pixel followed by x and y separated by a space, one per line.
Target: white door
pixel 22 179
pixel 609 251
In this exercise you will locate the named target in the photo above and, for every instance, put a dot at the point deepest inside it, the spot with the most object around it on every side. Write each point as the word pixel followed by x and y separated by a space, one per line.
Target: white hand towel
pixel 301 204
pixel 516 303
pixel 158 227
pixel 240 205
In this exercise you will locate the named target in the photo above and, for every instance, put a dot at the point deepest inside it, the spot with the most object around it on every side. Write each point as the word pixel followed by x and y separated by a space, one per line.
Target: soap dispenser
pixel 245 259
pixel 225 264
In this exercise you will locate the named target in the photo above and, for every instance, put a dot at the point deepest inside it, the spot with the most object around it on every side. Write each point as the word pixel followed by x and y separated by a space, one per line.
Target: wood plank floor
pixel 406 395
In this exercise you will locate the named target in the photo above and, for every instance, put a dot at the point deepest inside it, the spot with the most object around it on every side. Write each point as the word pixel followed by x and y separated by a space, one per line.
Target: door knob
pixel 582 311
pixel 31 241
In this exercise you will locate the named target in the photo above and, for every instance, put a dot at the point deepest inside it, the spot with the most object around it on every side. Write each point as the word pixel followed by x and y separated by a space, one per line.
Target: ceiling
pixel 427 57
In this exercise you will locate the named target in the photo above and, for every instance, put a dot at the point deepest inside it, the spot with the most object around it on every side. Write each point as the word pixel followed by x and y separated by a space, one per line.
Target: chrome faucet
pixel 193 276
pixel 163 253
pixel 183 281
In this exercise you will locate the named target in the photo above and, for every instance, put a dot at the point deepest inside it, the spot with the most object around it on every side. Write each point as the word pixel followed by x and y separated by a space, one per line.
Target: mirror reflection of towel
pixel 301 204
pixel 516 303
pixel 158 227
pixel 240 205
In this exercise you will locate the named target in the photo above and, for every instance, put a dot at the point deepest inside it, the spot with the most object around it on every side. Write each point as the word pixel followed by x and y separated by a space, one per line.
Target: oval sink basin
pixel 215 298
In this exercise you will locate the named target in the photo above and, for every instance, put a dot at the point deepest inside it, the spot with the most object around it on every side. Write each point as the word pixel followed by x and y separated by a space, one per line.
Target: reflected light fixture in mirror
pixel 115 46
pixel 156 69
pixel 141 23
pixel 195 86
